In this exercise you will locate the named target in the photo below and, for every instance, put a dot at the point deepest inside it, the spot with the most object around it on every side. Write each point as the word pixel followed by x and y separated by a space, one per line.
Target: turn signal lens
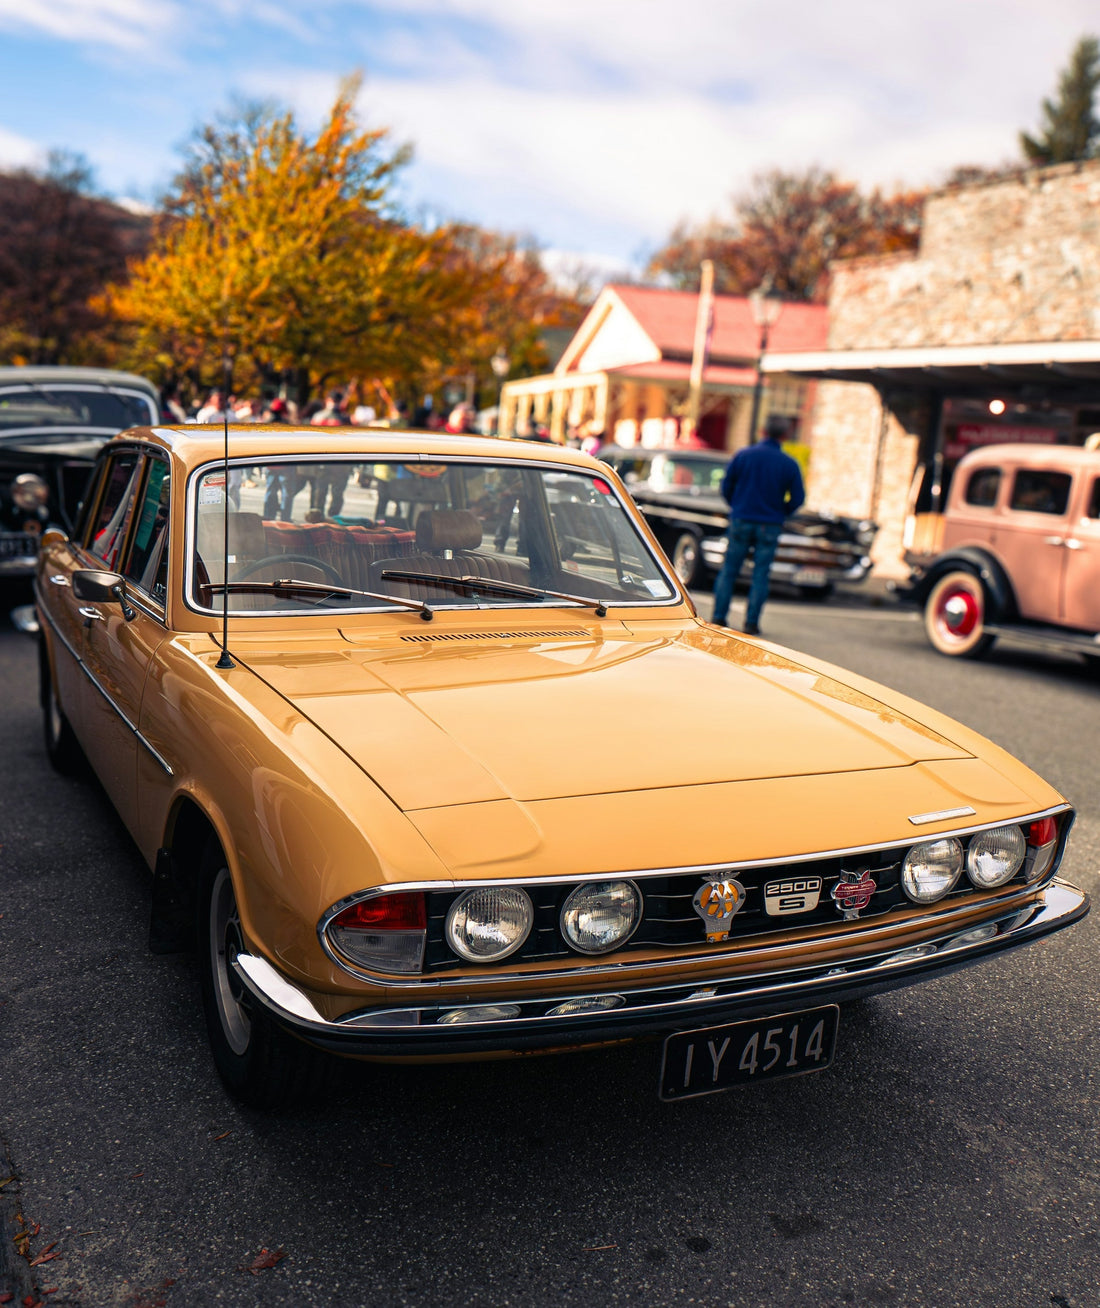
pixel 994 857
pixel 482 1013
pixel 491 923
pixel 1042 843
pixel 385 933
pixel 600 916
pixel 931 869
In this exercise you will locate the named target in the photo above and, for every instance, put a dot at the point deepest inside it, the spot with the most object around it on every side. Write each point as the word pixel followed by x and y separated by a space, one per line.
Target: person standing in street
pixel 762 486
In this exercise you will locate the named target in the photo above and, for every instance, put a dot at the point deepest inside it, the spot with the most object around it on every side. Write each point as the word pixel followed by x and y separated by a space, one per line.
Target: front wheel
pixel 687 561
pixel 955 616
pixel 260 1064
pixel 62 748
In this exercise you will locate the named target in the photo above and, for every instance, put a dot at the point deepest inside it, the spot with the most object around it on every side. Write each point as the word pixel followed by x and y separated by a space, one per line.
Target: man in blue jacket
pixel 762 486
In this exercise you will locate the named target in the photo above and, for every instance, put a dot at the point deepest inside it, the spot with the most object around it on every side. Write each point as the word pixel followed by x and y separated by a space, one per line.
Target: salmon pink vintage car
pixel 432 758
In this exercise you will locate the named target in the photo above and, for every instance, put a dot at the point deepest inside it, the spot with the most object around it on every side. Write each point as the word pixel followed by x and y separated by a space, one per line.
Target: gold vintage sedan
pixel 432 758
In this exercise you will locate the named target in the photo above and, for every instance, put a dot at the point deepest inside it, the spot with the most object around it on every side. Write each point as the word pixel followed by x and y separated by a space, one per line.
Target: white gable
pixel 609 337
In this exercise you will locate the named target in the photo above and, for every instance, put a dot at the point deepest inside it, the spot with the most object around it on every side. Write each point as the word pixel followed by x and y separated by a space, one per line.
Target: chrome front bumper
pixel 413 1030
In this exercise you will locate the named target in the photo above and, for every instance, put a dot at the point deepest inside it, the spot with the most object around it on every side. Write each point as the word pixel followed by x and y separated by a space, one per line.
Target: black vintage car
pixel 679 493
pixel 52 423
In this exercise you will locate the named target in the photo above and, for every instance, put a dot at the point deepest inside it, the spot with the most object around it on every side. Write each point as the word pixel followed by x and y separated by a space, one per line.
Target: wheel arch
pixel 995 580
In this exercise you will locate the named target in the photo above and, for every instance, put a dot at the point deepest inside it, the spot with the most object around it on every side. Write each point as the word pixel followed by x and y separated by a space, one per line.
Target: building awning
pixel 1064 370
pixel 678 372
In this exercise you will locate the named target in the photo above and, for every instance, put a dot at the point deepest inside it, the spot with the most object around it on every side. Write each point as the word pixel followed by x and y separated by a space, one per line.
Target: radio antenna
pixel 224 661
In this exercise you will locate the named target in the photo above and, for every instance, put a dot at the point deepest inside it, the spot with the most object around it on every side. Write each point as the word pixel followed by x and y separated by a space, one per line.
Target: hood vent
pixel 579 633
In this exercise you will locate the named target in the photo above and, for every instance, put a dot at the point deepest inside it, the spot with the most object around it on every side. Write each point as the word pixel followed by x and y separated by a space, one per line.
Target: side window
pixel 1036 491
pixel 108 528
pixel 88 503
pixel 983 486
pixel 1093 510
pixel 147 564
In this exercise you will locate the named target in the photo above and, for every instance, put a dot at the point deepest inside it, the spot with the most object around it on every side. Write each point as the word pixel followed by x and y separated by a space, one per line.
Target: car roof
pixel 44 376
pixel 195 444
pixel 1064 456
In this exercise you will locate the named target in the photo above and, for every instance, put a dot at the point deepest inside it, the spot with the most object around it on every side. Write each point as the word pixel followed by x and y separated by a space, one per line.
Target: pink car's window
pixel 1094 499
pixel 982 487
pixel 1037 491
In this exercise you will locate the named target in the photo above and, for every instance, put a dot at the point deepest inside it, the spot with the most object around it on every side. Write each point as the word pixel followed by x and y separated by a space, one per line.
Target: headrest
pixel 447 529
pixel 246 535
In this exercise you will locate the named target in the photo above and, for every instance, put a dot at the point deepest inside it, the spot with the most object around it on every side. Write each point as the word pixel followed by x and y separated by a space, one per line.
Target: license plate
pixel 810 577
pixel 703 1062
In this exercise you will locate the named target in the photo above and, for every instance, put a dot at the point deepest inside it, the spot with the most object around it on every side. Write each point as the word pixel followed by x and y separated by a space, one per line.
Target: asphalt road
pixel 949 1157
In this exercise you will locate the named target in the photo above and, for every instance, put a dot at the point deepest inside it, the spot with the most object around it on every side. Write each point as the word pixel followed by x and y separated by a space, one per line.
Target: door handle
pixel 89 614
pixel 59 579
pixel 1053 540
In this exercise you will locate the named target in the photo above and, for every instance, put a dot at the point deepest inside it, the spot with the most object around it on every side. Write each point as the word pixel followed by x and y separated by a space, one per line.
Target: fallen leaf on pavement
pixel 6 1297
pixel 264 1259
pixel 223 1135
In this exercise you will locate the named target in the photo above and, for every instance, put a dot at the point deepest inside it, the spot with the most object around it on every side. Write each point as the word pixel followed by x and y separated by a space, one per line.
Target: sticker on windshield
pixel 655 587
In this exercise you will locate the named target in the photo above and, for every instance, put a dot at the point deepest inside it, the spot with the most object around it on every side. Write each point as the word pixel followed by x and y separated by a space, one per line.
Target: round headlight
pixel 931 869
pixel 600 916
pixel 995 857
pixel 29 491
pixel 490 923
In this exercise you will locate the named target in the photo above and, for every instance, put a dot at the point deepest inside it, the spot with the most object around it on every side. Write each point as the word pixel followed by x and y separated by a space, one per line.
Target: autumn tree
pixel 514 302
pixel 1069 128
pixel 60 244
pixel 788 227
pixel 284 250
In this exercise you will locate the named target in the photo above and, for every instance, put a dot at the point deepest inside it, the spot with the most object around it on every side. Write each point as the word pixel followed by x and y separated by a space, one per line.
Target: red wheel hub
pixel 959 612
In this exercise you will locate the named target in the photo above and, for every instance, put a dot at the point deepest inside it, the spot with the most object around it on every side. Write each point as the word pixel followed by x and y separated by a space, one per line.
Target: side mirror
pixel 102 588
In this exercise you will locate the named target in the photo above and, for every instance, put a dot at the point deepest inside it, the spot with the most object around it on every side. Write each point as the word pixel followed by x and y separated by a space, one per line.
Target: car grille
pixel 17 545
pixel 670 922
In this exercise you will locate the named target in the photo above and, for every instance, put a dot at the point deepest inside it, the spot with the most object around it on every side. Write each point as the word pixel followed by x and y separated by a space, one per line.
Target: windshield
pixel 420 532
pixel 72 406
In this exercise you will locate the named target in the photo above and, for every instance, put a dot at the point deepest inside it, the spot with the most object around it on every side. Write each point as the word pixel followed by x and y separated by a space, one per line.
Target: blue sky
pixel 593 125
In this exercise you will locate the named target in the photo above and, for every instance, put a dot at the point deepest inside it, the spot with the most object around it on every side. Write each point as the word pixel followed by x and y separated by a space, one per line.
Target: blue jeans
pixel 763 539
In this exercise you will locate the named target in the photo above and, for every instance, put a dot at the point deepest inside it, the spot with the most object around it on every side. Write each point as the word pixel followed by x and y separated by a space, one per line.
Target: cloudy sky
pixel 593 125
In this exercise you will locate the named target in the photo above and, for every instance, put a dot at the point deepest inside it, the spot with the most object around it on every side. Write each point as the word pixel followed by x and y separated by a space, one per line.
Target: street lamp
pixel 766 307
pixel 500 364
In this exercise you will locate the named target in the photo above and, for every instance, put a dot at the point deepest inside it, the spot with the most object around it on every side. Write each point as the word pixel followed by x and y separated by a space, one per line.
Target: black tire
pixel 955 616
pixel 260 1064
pixel 62 747
pixel 687 558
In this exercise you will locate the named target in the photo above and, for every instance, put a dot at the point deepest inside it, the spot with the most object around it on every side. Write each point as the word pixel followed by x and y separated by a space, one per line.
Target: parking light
pixel 1042 842
pixel 385 933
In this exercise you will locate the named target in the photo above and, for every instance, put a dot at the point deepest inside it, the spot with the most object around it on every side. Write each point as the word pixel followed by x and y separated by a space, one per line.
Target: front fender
pixel 970 558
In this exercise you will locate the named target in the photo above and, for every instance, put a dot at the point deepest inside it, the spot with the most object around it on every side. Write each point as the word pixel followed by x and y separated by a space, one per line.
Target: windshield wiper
pixel 501 587
pixel 288 585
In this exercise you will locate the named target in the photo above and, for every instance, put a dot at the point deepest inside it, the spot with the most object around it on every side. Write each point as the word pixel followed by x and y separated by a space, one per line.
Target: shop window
pixel 981 489
pixel 1035 491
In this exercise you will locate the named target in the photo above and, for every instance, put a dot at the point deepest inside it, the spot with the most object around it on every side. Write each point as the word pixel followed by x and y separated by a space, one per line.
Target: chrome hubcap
pixel 959 613
pixel 225 944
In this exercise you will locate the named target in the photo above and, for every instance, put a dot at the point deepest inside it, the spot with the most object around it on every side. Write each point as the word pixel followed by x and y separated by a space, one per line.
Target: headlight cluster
pixel 992 859
pixel 488 924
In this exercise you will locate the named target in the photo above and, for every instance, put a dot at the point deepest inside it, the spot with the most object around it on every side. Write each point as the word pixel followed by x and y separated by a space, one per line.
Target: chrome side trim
pixel 703 869
pixel 142 740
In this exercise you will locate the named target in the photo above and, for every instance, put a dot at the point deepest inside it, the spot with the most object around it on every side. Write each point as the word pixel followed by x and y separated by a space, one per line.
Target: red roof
pixel 668 318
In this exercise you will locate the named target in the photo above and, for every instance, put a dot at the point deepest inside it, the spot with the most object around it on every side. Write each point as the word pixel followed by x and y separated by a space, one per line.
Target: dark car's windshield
pixel 416 531
pixel 26 407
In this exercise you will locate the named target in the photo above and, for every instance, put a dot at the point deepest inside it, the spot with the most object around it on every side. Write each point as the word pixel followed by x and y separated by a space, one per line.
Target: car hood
pixel 463 717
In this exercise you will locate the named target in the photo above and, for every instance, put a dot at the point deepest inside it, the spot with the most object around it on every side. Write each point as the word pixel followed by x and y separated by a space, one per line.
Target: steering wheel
pixel 271 559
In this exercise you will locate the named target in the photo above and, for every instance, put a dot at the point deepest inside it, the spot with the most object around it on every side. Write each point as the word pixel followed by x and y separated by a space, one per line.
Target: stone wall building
pixel 990 332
